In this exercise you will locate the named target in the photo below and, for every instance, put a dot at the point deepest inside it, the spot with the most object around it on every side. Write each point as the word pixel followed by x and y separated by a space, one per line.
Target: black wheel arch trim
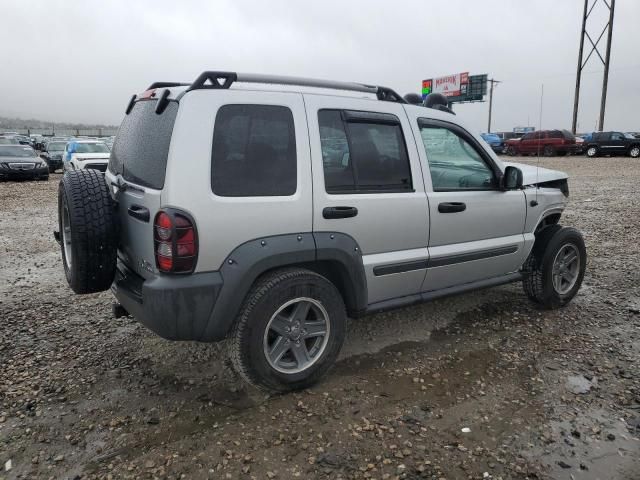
pixel 335 255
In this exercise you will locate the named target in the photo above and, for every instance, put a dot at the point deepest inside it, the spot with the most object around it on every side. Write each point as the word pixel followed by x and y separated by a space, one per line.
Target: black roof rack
pixel 223 80
pixel 166 85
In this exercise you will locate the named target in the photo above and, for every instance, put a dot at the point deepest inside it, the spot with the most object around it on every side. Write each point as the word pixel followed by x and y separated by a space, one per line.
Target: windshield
pixel 16 151
pixel 91 148
pixel 56 146
pixel 629 135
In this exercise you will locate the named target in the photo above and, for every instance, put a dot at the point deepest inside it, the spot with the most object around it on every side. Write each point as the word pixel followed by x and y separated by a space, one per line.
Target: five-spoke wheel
pixel 296 335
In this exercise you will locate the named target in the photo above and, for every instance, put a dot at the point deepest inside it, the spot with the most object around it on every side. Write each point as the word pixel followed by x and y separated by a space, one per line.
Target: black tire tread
pixel 261 288
pixel 93 230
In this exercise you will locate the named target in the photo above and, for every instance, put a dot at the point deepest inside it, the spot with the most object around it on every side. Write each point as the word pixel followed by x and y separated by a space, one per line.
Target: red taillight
pixel 175 242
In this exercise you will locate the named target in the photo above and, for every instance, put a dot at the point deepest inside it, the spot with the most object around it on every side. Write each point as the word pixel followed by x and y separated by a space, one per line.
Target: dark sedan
pixel 20 161
pixel 52 154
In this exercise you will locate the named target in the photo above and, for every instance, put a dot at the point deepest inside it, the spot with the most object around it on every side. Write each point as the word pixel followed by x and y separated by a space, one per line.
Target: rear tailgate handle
pixel 452 207
pixel 139 212
pixel 339 212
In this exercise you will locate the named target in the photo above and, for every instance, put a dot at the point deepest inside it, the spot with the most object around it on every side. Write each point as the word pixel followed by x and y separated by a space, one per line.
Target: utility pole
pixel 492 81
pixel 605 78
pixel 610 4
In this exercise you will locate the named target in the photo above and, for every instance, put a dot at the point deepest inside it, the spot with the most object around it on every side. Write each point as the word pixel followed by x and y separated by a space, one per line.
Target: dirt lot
pixel 85 396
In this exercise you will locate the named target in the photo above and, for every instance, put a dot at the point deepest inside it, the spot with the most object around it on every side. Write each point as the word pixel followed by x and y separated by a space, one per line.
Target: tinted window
pixel 254 151
pixel 528 136
pixel 141 148
pixel 555 134
pixel 617 136
pixel 454 163
pixel 363 155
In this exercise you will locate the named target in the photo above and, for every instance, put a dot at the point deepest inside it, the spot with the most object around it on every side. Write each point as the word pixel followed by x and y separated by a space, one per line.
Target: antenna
pixel 539 138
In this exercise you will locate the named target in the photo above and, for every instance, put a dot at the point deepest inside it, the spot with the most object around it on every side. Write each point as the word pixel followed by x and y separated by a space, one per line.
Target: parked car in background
pixel 52 154
pixel 80 154
pixel 544 142
pixel 634 134
pixel 21 161
pixel 495 142
pixel 613 143
pixel 23 140
pixel 9 141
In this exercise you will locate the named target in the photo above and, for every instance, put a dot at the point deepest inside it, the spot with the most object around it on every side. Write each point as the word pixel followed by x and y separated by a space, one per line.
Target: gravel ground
pixel 481 385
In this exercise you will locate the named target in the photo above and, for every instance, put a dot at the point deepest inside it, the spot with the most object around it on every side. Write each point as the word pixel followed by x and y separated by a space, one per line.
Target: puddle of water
pixel 593 446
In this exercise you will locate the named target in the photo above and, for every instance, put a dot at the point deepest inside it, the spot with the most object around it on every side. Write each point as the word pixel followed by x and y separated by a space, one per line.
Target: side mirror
pixel 512 178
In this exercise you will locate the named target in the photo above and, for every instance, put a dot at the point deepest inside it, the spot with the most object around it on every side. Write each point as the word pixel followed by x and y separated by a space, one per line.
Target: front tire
pixel 289 330
pixel 548 151
pixel 634 152
pixel 554 271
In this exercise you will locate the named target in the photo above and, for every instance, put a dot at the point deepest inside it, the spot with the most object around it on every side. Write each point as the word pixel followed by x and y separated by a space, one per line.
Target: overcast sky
pixel 81 60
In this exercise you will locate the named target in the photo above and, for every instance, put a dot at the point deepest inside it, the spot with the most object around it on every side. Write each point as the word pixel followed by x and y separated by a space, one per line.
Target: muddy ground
pixel 85 396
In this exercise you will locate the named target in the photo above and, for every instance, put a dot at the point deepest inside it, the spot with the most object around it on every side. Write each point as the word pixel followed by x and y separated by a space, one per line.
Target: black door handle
pixel 139 212
pixel 452 207
pixel 339 212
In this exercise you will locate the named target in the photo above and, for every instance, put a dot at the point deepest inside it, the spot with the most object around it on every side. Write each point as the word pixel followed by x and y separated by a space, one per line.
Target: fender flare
pixel 246 263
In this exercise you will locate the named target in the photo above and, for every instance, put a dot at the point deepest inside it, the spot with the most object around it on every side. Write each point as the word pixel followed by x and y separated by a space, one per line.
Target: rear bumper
pixel 176 307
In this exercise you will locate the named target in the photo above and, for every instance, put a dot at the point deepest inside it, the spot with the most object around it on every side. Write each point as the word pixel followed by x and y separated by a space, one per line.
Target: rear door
pixel 365 162
pixel 136 177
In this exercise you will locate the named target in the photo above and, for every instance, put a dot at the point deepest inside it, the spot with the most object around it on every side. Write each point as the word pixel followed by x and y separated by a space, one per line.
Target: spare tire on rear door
pixel 88 231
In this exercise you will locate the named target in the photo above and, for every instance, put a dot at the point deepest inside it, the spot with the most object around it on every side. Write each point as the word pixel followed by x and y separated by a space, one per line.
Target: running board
pixel 445 292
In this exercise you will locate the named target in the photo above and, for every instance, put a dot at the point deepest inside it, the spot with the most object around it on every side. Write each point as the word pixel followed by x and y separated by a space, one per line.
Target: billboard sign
pixel 452 85
pixel 426 87
pixel 460 87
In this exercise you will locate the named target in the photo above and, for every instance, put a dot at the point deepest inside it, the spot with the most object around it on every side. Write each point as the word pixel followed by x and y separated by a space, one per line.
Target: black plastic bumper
pixel 176 307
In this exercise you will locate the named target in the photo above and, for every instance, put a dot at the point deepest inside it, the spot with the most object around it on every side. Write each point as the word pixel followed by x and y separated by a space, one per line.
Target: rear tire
pixel 592 152
pixel 259 330
pixel 88 231
pixel 634 152
pixel 545 264
pixel 548 151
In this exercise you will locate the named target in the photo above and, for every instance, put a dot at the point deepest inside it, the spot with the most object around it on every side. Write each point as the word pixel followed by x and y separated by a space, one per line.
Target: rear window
pixel 141 148
pixel 254 152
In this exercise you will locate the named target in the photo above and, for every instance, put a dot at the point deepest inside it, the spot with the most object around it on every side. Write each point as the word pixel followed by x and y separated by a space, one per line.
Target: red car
pixel 543 142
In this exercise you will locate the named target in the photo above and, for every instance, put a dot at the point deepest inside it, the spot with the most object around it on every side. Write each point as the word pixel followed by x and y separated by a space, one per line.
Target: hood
pixel 532 174
pixel 91 156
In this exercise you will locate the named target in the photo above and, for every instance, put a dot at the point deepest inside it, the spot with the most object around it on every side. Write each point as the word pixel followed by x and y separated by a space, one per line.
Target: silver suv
pixel 268 209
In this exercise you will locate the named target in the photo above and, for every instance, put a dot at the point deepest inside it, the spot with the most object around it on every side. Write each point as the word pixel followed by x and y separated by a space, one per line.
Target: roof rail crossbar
pixel 216 80
pixel 166 85
pixel 225 79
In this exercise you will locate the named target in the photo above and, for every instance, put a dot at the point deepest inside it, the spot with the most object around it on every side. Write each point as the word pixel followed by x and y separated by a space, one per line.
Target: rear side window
pixel 141 148
pixel 254 152
pixel 363 152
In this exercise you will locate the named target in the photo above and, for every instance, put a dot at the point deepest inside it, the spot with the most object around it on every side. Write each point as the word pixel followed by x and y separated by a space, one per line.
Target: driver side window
pixel 454 163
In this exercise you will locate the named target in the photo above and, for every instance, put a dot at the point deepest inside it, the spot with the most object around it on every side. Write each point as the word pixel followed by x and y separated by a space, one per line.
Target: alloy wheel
pixel 296 335
pixel 566 268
